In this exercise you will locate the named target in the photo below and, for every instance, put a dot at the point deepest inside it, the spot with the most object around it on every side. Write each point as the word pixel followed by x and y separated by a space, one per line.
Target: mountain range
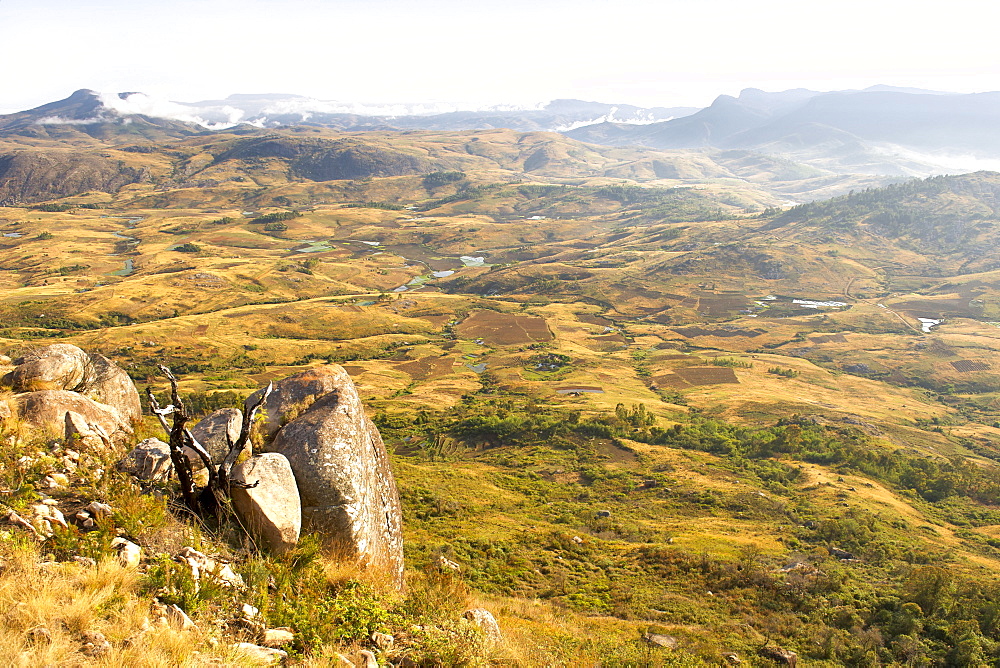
pixel 882 130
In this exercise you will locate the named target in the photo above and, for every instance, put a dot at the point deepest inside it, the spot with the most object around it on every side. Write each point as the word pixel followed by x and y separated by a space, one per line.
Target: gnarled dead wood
pixel 214 499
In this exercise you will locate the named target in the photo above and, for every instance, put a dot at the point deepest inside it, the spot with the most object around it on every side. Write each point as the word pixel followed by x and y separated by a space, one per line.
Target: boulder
pixel 46 410
pixel 82 435
pixel 271 510
pixel 661 640
pixel 129 554
pixel 278 637
pixel 62 366
pixel 342 470
pixel 779 655
pixel 486 622
pixel 293 395
pixel 212 432
pixel 260 654
pixel 59 366
pixel 109 384
pixel 203 566
pixel 149 460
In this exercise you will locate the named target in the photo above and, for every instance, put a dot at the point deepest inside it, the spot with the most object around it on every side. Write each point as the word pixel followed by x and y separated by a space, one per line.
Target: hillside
pixel 624 390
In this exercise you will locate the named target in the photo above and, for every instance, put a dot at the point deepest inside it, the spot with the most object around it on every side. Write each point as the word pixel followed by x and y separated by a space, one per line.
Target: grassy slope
pixel 248 307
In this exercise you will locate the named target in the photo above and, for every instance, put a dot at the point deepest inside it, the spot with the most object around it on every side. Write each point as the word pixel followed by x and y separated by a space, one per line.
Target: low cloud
pixel 213 118
pixel 943 162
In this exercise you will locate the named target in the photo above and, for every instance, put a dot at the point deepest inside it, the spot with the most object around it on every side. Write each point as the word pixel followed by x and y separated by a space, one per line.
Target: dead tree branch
pixel 214 499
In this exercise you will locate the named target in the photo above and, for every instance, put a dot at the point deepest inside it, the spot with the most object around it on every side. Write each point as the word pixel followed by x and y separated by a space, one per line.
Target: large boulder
pixel 212 432
pixel 109 384
pixel 59 366
pixel 46 411
pixel 293 395
pixel 343 475
pixel 270 509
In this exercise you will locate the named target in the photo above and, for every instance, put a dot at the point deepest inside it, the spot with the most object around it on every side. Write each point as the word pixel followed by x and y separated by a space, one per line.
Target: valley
pixel 627 393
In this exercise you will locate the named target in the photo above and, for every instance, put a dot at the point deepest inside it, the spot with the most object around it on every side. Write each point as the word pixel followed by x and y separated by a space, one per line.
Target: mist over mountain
pixel 882 131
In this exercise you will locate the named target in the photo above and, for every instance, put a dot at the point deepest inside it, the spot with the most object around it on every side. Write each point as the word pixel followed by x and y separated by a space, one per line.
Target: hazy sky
pixel 666 52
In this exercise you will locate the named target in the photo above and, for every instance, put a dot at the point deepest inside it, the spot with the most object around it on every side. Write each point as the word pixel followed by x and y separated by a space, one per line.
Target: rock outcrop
pixel 59 366
pixel 46 411
pixel 341 468
pixel 271 509
pixel 59 378
pixel 109 384
pixel 293 395
pixel 212 432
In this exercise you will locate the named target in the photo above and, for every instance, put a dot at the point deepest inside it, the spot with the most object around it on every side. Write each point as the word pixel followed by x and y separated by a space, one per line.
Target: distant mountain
pixel 825 140
pixel 269 110
pixel 91 113
pixel 85 112
pixel 876 131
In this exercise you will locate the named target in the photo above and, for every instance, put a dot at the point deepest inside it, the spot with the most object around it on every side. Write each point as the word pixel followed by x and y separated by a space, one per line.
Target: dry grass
pixel 70 599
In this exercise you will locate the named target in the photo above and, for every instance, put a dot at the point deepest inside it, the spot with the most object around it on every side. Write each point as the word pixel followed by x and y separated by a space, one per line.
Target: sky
pixel 474 53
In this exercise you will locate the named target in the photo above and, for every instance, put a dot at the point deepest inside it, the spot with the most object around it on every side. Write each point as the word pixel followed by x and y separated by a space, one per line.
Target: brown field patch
pixel 428 367
pixel 353 370
pixel 600 321
pixel 967 366
pixel 716 305
pixel 935 308
pixel 201 330
pixel 504 329
pixel 829 338
pixel 691 332
pixel 611 338
pixel 672 381
pixel 708 375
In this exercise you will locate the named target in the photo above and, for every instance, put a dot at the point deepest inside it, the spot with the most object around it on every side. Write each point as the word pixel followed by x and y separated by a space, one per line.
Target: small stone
pixel 383 641
pixel 249 612
pixel 129 553
pixel 265 654
pixel 84 561
pixel 99 510
pixel 178 618
pixel 149 460
pixel 278 637
pixel 49 482
pixel 369 657
pixel 660 640
pixel 204 566
pixel 446 564
pixel 577 540
pixel 39 636
pixel 95 644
